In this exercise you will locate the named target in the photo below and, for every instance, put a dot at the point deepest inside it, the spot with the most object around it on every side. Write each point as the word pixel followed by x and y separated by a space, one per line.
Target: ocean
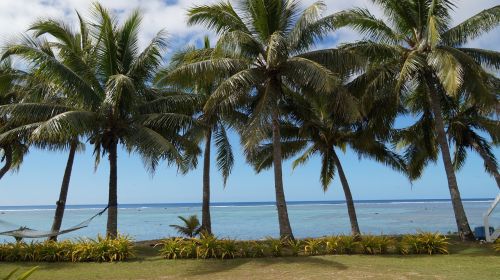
pixel 256 220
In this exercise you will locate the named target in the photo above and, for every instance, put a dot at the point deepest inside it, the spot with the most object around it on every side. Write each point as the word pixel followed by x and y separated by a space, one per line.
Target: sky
pixel 38 180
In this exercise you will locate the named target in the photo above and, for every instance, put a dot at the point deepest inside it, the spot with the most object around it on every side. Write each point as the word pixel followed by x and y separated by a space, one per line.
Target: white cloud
pixel 170 15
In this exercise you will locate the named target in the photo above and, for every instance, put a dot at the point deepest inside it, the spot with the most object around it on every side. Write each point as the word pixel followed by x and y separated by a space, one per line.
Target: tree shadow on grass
pixel 203 267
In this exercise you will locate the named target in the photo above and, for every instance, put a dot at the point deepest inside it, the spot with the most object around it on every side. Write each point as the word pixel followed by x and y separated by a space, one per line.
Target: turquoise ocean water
pixel 258 220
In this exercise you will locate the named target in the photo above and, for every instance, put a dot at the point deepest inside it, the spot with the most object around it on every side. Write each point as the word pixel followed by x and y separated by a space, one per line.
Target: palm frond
pixel 225 158
pixel 472 27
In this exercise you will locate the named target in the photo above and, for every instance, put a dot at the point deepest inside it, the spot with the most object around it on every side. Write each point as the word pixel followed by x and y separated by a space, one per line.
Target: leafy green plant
pixel 275 246
pixel 258 249
pixel 207 246
pixel 82 250
pixel 347 244
pixel 295 246
pixel 332 245
pixel 190 228
pixel 313 247
pixel 228 249
pixel 375 244
pixel 424 243
pixel 188 250
pixel 23 276
pixel 171 248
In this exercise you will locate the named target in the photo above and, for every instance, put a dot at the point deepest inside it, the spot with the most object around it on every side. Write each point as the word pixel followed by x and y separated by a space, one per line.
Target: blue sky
pixel 38 180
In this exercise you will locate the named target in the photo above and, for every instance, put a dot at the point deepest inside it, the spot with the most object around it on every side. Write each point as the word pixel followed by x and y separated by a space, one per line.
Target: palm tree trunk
pixel 8 161
pixel 490 165
pixel 206 223
pixel 284 222
pixel 63 194
pixel 112 226
pixel 463 226
pixel 351 210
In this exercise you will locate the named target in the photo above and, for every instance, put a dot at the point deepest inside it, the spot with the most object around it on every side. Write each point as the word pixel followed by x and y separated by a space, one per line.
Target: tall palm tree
pixel 211 125
pixel 266 43
pixel 12 150
pixel 466 125
pixel 110 100
pixel 464 131
pixel 69 45
pixel 323 124
pixel 417 44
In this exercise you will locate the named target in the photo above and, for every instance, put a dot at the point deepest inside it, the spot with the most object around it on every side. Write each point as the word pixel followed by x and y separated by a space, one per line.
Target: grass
pixel 466 261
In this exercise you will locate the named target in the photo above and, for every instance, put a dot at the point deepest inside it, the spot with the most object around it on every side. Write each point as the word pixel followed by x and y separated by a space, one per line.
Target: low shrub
pixel 82 250
pixel 373 245
pixel 347 244
pixel 295 246
pixel 275 246
pixel 313 247
pixel 496 246
pixel 332 244
pixel 209 246
pixel 424 243
pixel 257 249
pixel 172 248
pixel 228 249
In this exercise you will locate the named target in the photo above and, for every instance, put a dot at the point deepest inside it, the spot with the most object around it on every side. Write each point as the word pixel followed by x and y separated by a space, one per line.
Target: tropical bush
pixel 496 246
pixel 424 243
pixel 208 246
pixel 81 250
pixel 347 244
pixel 275 246
pixel 172 248
pixel 295 246
pixel 228 249
pixel 373 245
pixel 313 247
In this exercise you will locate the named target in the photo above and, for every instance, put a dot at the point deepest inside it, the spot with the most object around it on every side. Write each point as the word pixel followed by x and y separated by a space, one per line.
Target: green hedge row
pixel 211 247
pixel 82 250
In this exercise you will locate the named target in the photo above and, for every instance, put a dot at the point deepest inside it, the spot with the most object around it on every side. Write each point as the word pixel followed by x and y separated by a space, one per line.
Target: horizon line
pixel 271 202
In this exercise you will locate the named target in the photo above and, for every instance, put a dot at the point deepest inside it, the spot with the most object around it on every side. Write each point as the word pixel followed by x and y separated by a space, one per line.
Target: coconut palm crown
pixel 267 45
pixel 109 97
pixel 417 44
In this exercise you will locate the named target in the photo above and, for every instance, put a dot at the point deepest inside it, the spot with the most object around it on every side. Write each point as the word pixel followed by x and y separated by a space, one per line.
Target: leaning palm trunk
pixel 8 161
pixel 63 194
pixel 112 225
pixel 206 224
pixel 284 222
pixel 464 230
pixel 490 165
pixel 351 210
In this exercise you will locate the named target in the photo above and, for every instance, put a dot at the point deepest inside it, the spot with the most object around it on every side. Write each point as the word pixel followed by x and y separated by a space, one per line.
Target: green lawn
pixel 465 262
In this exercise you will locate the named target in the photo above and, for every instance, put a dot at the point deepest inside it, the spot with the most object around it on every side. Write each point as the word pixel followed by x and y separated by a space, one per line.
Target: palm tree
pixel 266 44
pixel 420 48
pixel 109 98
pixel 191 227
pixel 465 122
pixel 12 150
pixel 322 124
pixel 70 45
pixel 464 131
pixel 210 125
pixel 22 86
